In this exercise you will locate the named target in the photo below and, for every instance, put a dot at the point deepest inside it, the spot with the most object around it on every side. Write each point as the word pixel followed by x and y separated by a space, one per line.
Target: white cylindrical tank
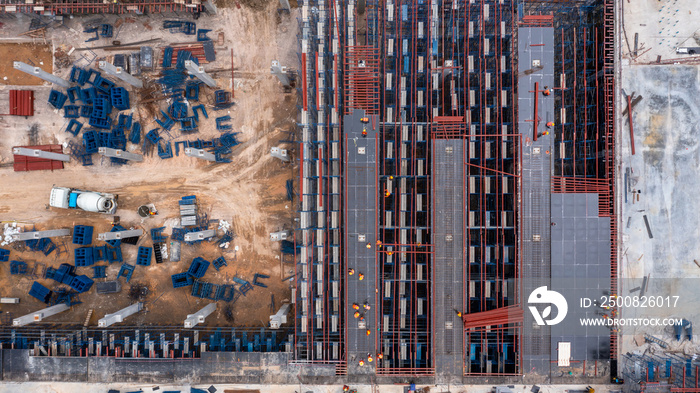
pixel 92 202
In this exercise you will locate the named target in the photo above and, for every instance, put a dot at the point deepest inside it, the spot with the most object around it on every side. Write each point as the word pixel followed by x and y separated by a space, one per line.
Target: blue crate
pixel 90 141
pixel 57 99
pixel 192 91
pixel 188 124
pixel 99 271
pixel 82 234
pixel 106 30
pixel 100 253
pixel 202 35
pixel 78 75
pixel 71 111
pixel 81 283
pixel 86 111
pixel 181 280
pixel 126 271
pixel 92 76
pixel 103 139
pixel 143 257
pixel 219 263
pixel 125 120
pixel 4 255
pixel 221 97
pixel 102 84
pixel 153 136
pixel 120 98
pixel 101 108
pixel 40 292
pixel 200 108
pixel 220 123
pixel 100 123
pixel 113 254
pixel 117 139
pixel 198 267
pixel 84 256
pixel 18 267
pixel 87 96
pixel 73 94
pixel 74 127
pixel 135 135
pixel 157 235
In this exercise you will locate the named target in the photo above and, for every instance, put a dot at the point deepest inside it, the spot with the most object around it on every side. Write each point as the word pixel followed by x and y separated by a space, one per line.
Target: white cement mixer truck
pixel 90 201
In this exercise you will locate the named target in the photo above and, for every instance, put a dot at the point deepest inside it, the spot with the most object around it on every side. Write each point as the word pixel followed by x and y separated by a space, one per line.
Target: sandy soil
pixel 249 192
pixel 34 54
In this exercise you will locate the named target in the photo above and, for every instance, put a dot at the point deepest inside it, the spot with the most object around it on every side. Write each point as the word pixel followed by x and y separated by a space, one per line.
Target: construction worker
pixel 379 243
pixel 346 388
pixel 369 358
pixel 546 92
pixel 387 193
pixel 361 276
pixel 364 120
pixel 389 253
pixel 362 362
pixel 355 306
pixel 356 314
pixel 369 245
pixel 380 356
pixel 369 332
pixel 366 306
pixel 550 124
pixel 364 132
pixel 362 317
pixel 351 271
pixel 391 177
pixel 459 313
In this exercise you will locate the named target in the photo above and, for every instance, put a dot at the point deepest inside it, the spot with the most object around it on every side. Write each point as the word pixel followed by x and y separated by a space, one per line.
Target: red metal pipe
pixel 629 114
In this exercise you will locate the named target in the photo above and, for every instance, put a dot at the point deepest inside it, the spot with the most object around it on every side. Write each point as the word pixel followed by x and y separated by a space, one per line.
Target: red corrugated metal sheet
pixel 24 163
pixel 22 102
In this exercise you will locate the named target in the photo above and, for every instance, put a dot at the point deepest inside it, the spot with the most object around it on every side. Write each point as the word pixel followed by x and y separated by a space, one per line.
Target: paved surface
pixel 361 205
pixel 448 265
pixel 536 180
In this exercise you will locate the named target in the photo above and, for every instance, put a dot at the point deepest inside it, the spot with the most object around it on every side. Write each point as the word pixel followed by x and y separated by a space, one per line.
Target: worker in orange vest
pixel 369 358
pixel 361 276
pixel 362 362
pixel 351 271
pixel 369 332
pixel 357 314
pixel 355 306
pixel 550 124
pixel 364 132
pixel 380 356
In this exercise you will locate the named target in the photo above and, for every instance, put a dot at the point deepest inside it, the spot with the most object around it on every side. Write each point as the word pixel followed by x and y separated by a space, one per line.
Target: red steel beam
pixel 629 114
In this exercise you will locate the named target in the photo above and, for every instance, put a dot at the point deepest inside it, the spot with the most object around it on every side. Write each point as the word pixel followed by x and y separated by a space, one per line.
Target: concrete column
pixel 198 317
pixel 201 235
pixel 279 236
pixel 23 151
pixel 198 71
pixel 119 316
pixel 284 4
pixel 199 153
pixel 277 320
pixel 39 73
pixel 280 72
pixel 279 153
pixel 120 73
pixel 117 153
pixel 38 316
pixel 119 234
pixel 41 234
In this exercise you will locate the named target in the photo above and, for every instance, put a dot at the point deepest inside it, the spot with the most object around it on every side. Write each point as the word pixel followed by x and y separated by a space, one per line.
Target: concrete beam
pixel 210 6
pixel 41 234
pixel 198 71
pixel 119 234
pixel 282 154
pixel 200 153
pixel 38 316
pixel 39 73
pixel 117 153
pixel 120 73
pixel 198 317
pixel 23 151
pixel 201 235
pixel 279 319
pixel 279 236
pixel 119 316
pixel 280 72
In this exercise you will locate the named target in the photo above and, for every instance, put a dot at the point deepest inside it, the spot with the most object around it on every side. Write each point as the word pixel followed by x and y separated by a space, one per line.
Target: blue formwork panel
pixel 4 255
pixel 181 280
pixel 92 76
pixel 125 121
pixel 87 96
pixel 157 235
pixel 120 98
pixel 219 263
pixel 135 135
pixel 40 292
pixel 86 111
pixel 167 123
pixel 82 235
pixel 198 267
pixel 178 110
pixel 101 108
pixel 143 257
pixel 18 267
pixel 117 139
pixel 165 151
pixel 78 75
pixel 188 124
pixel 84 256
pixel 220 123
pixel 126 271
pixel 57 99
pixel 188 200
pixel 100 123
pixel 99 253
pixel 81 283
pixel 221 97
pixel 106 30
pixel 99 271
pixel 102 84
pixel 153 136
pixel 167 57
pixel 73 94
pixel 74 127
pixel 113 254
pixel 192 91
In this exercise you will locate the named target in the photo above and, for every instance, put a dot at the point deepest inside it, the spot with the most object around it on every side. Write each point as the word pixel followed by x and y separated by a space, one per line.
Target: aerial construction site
pixel 349 195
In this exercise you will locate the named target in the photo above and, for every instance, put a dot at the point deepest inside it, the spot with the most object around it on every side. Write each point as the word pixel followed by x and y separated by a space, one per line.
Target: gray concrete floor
pixel 664 178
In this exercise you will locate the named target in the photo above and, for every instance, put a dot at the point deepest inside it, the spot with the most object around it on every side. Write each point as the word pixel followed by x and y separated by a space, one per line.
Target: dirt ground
pixel 33 53
pixel 249 192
